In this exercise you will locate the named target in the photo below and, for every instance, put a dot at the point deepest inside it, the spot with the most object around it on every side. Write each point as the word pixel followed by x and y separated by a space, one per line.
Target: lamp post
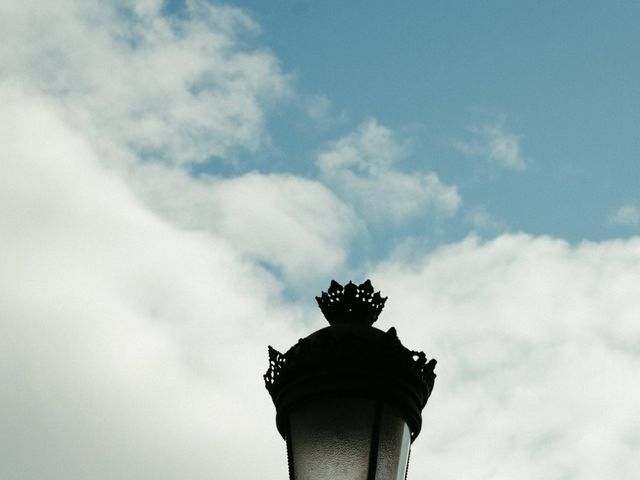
pixel 349 397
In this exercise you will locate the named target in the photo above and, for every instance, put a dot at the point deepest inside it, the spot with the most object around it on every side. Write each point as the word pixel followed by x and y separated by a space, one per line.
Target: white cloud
pixel 538 359
pixel 176 89
pixel 500 147
pixel 294 224
pixel 628 215
pixel 362 168
pixel 317 107
pixel 129 348
pixel 482 219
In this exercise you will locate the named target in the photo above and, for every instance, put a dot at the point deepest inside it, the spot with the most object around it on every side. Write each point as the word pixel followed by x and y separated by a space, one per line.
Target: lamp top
pixel 351 358
pixel 352 304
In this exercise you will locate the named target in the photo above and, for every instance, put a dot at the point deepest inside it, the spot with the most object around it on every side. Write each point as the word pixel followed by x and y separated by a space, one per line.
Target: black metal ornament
pixel 351 303
pixel 351 358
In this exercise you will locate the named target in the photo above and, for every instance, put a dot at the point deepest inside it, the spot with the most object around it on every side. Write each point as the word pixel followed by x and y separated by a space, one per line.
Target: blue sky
pixel 561 76
pixel 179 180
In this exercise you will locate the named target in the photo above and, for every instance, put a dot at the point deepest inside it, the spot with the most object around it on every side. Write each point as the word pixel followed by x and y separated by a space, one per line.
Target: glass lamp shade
pixel 347 438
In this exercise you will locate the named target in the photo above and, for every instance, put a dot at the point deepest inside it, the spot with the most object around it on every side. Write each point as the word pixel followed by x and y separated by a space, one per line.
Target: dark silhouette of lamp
pixel 349 397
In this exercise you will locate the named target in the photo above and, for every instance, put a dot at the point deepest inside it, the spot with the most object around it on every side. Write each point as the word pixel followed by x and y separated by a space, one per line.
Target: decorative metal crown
pixel 351 304
pixel 342 362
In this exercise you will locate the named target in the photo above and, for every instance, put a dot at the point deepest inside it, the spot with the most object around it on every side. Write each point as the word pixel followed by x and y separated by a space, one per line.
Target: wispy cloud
pixel 177 89
pixel 491 141
pixel 317 107
pixel 363 167
pixel 628 215
pixel 482 219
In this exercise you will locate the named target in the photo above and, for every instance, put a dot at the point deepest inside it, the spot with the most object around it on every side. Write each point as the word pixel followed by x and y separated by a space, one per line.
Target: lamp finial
pixel 351 304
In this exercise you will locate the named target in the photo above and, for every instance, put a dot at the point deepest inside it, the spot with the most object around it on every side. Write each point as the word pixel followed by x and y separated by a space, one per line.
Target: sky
pixel 180 179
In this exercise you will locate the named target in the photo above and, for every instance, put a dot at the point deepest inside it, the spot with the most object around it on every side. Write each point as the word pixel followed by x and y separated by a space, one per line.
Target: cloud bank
pixel 130 348
pixel 290 223
pixel 538 359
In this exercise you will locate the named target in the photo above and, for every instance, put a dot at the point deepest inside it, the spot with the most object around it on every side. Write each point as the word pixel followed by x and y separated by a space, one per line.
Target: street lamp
pixel 349 397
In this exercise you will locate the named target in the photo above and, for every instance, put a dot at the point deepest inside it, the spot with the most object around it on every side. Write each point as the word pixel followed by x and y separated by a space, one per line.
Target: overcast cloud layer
pixel 137 299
